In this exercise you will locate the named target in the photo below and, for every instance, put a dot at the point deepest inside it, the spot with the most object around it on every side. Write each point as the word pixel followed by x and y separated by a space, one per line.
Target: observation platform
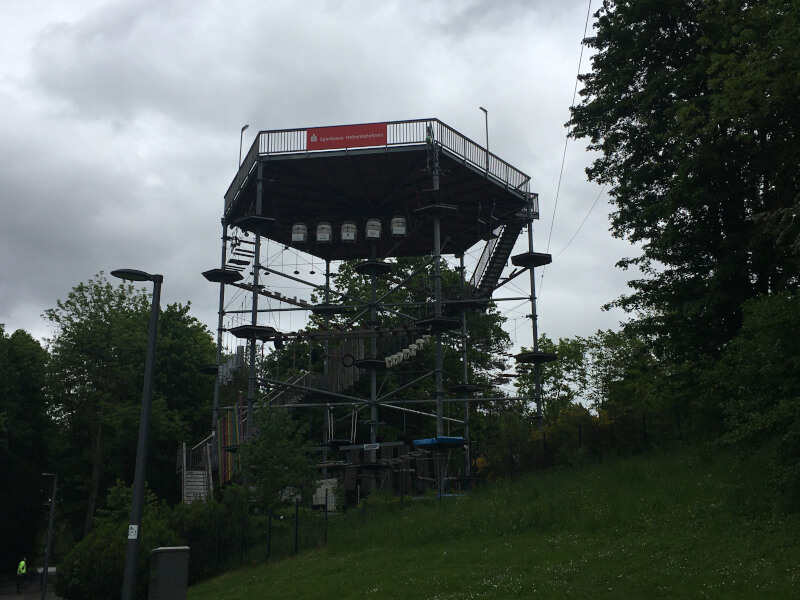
pixel 354 173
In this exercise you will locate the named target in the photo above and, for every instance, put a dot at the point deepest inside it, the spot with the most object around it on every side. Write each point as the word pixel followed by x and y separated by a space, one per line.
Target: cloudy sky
pixel 121 118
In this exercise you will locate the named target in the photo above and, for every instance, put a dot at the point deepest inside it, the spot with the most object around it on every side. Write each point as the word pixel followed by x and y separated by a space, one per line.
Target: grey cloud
pixel 122 130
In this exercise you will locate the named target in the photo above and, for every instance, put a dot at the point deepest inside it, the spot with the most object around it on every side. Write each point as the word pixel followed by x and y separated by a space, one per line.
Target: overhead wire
pixel 602 189
pixel 566 142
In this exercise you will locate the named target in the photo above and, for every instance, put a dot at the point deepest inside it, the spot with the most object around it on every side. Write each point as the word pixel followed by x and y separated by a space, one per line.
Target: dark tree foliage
pixel 24 430
pixel 486 344
pixel 93 568
pixel 693 107
pixel 182 394
pixel 215 530
pixel 487 337
pixel 562 380
pixel 758 377
pixel 278 461
pixel 96 354
pixel 95 383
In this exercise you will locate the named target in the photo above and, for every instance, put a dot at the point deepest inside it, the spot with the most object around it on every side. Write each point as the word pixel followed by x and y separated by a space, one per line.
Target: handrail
pixel 209 475
pixel 197 452
pixel 486 255
pixel 398 133
pixel 277 394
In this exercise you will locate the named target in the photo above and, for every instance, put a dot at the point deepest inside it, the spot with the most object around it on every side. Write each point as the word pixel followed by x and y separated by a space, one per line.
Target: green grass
pixel 695 523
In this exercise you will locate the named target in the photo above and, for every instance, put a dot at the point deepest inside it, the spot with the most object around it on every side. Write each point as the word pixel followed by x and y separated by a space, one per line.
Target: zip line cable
pixel 566 141
pixel 602 189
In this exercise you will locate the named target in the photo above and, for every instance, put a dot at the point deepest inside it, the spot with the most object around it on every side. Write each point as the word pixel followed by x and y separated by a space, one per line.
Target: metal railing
pixel 486 255
pixel 398 133
pixel 199 455
pixel 285 396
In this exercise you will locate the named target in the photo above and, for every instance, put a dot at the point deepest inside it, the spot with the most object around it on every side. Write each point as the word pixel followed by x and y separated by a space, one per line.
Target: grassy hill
pixel 694 523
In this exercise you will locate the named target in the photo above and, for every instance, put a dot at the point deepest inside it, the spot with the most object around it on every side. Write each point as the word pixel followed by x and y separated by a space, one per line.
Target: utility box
pixel 169 572
pixel 324 485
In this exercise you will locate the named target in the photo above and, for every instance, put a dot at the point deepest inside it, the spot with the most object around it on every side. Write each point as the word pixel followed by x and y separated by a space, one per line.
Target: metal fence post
pixel 269 533
pixel 296 523
pixel 325 535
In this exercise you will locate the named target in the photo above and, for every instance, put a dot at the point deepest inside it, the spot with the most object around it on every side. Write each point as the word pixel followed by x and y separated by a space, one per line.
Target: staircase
pixel 195 469
pixel 495 258
pixel 195 485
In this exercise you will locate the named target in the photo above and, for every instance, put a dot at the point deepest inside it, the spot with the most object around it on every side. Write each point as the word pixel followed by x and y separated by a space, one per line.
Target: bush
pixel 217 530
pixel 220 532
pixel 93 569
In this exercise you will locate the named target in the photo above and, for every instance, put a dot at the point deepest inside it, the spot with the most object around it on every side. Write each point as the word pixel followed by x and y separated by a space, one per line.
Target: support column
pixel 437 291
pixel 464 368
pixel 251 383
pixel 217 382
pixel 537 370
pixel 373 354
pixel 327 423
pixel 433 165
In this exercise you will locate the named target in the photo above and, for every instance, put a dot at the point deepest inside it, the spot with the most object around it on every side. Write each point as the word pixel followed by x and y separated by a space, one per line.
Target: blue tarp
pixel 441 441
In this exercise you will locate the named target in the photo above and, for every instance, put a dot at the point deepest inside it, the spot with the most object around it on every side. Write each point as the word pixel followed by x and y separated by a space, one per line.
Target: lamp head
pixel 132 275
pixel 245 127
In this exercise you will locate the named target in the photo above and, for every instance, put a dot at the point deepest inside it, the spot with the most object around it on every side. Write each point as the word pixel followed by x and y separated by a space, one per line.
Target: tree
pixel 758 378
pixel 277 461
pixel 693 108
pixel 562 380
pixel 95 357
pixel 627 386
pixel 486 343
pixel 24 434
pixel 95 383
pixel 183 397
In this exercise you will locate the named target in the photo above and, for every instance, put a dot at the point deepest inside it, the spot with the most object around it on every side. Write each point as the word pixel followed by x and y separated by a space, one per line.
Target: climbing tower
pixel 304 201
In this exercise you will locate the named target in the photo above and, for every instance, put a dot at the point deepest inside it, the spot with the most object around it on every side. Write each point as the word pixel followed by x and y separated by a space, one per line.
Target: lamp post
pixel 132 551
pixel 486 119
pixel 241 137
pixel 49 532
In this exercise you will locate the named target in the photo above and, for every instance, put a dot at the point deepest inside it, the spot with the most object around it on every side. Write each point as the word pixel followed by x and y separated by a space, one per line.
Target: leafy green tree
pixel 562 380
pixel 95 384
pixel 96 354
pixel 692 106
pixel 487 340
pixel 183 397
pixel 24 433
pixel 486 344
pixel 758 379
pixel 277 461
pixel 628 387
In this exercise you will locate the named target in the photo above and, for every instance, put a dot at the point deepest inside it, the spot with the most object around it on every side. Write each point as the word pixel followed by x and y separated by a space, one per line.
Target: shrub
pixel 93 569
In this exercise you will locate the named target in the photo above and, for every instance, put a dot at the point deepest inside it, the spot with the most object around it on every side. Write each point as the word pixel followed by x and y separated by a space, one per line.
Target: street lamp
pixel 132 552
pixel 49 533
pixel 486 119
pixel 241 137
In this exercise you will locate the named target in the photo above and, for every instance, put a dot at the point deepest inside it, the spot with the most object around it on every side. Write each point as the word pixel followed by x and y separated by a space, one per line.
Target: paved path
pixel 8 591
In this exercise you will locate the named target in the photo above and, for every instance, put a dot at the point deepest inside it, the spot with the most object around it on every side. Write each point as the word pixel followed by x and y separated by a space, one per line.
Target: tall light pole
pixel 49 532
pixel 486 119
pixel 132 551
pixel 241 138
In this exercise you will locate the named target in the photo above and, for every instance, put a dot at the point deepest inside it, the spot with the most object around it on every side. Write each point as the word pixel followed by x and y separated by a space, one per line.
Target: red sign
pixel 346 136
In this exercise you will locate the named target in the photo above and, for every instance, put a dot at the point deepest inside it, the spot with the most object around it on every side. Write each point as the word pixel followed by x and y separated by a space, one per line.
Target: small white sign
pixel 133 532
